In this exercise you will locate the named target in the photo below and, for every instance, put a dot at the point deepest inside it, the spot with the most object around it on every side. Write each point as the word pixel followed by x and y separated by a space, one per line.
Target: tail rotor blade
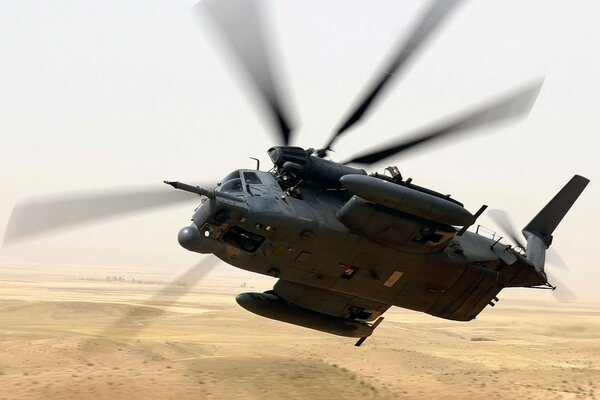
pixel 552 257
pixel 500 218
pixel 39 216
pixel 433 17
pixel 562 293
pixel 240 25
pixel 513 105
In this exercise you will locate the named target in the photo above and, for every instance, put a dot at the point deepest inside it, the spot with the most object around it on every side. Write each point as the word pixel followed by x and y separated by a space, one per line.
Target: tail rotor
pixel 538 233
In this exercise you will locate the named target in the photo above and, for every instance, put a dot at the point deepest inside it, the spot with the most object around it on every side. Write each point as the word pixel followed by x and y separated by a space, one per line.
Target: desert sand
pixel 62 337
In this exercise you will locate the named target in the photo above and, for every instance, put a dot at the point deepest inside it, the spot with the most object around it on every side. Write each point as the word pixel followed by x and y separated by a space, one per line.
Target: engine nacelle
pixel 407 200
pixel 270 306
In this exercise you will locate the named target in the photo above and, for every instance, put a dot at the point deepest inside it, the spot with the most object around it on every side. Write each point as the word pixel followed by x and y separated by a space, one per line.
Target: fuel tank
pixel 270 306
pixel 407 200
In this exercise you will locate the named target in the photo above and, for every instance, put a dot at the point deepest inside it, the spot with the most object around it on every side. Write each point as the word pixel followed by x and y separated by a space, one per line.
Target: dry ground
pixel 63 338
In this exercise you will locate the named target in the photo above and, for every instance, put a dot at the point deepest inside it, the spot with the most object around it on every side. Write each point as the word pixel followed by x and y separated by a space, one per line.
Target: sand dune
pixel 61 344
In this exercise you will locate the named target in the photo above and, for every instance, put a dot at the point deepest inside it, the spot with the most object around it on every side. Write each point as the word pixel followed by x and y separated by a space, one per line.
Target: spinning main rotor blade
pixel 431 20
pixel 239 23
pixel 510 106
pixel 39 216
pixel 166 297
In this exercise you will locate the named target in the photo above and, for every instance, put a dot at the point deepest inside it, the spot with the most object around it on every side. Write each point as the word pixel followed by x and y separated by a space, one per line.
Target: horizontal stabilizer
pixel 546 221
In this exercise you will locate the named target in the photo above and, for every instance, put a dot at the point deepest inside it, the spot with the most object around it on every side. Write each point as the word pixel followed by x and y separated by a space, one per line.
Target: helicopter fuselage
pixel 306 236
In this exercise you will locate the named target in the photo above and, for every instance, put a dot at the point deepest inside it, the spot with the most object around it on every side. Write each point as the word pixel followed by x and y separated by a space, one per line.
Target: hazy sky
pixel 97 94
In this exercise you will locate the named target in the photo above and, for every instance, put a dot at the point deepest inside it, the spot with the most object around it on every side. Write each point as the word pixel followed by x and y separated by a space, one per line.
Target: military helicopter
pixel 344 244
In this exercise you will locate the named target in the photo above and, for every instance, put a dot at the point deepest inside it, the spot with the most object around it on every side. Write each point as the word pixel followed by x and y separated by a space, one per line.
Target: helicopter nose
pixel 193 239
pixel 189 237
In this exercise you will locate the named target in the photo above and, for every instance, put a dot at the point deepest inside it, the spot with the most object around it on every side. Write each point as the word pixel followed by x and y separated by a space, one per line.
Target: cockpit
pixel 226 217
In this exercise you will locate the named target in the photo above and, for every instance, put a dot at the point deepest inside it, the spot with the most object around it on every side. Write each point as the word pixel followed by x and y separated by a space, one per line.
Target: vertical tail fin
pixel 539 231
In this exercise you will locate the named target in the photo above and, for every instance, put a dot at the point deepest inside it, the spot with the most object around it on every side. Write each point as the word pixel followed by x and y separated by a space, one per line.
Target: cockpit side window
pixel 232 186
pixel 251 178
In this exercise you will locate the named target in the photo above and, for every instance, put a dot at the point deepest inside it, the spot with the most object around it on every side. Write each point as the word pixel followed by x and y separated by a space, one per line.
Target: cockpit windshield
pixel 233 175
pixel 241 180
pixel 231 186
pixel 232 183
